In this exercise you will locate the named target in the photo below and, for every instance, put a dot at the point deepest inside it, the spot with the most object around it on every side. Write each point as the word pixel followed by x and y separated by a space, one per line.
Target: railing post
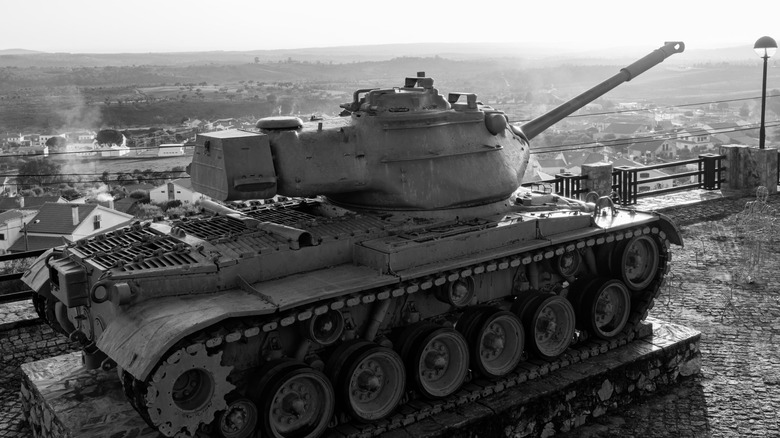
pixel 564 184
pixel 626 186
pixel 718 171
pixel 707 180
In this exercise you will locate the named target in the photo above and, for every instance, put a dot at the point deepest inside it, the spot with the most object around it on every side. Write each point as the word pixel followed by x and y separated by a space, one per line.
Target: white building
pixel 176 190
pixel 12 226
pixel 56 223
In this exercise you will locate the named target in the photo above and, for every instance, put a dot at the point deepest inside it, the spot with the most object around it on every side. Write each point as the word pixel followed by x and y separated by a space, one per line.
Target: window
pixel 644 175
pixel 2 236
pixel 96 222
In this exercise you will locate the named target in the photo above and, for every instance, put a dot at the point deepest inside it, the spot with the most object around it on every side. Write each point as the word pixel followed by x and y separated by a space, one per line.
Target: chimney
pixel 21 202
pixel 74 209
pixel 111 203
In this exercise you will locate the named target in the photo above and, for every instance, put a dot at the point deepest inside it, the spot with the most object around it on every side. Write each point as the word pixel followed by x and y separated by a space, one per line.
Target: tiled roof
pixel 56 218
pixel 649 145
pixel 8 203
pixel 558 164
pixel 10 214
pixel 14 214
pixel 36 242
pixel 37 201
pixel 184 183
pixel 125 205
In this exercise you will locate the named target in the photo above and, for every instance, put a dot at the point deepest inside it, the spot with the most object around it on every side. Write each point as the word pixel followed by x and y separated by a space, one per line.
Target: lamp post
pixel 24 230
pixel 765 47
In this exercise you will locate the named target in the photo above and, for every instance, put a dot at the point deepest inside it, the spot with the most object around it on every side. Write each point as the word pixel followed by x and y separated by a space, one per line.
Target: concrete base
pixel 62 399
pixel 748 168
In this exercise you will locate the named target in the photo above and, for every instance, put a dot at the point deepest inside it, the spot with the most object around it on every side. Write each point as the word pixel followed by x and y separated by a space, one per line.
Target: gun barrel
pixel 536 126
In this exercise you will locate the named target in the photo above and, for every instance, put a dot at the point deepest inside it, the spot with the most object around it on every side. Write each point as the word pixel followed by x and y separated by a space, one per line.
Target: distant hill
pixel 18 52
pixel 532 55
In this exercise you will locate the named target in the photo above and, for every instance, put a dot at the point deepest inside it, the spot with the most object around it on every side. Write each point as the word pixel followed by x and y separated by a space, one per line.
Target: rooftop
pixel 57 218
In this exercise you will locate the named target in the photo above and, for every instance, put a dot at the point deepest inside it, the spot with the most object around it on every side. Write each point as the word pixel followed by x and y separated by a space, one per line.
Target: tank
pixel 355 265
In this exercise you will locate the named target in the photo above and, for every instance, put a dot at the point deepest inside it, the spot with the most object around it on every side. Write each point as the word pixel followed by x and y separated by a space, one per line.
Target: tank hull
pixel 249 298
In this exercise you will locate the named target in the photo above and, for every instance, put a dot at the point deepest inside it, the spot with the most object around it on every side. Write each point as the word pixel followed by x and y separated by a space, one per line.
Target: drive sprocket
pixel 186 390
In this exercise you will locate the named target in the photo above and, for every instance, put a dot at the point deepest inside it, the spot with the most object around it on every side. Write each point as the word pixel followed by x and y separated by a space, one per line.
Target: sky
pixel 103 26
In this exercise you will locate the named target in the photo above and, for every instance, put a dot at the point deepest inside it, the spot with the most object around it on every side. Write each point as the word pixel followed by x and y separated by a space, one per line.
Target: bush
pixel 141 195
pixel 148 211
pixel 171 204
pixel 182 211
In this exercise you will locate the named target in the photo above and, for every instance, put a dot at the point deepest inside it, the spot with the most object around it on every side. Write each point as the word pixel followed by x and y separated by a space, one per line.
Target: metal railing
pixel 564 184
pixel 626 180
pixel 628 183
pixel 11 297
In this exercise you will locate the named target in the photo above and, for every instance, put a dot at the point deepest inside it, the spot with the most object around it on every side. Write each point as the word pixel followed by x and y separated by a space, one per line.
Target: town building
pixel 56 223
pixel 176 190
pixel 13 226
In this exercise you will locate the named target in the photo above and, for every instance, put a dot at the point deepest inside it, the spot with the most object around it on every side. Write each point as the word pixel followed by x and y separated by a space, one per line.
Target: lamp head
pixel 765 47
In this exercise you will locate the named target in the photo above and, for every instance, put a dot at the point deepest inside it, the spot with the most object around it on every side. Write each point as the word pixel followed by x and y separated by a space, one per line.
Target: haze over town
pixel 570 26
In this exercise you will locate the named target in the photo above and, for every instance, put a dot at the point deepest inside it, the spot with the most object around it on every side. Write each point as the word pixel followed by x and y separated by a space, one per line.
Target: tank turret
pixel 404 148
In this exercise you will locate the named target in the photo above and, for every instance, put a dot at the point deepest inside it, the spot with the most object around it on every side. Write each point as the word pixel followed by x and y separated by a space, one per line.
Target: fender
pixel 141 334
pixel 37 276
pixel 666 225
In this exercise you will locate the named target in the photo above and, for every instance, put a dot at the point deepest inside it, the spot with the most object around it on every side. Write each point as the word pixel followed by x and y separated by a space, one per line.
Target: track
pixel 413 407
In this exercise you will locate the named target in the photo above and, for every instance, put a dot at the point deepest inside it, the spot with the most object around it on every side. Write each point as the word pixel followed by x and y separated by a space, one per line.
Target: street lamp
pixel 24 230
pixel 765 47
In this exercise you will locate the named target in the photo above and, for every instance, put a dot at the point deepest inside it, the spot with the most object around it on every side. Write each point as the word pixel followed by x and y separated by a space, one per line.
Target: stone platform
pixel 62 399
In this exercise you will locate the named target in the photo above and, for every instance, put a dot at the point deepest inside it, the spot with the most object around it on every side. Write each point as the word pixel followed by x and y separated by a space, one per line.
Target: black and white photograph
pixel 389 219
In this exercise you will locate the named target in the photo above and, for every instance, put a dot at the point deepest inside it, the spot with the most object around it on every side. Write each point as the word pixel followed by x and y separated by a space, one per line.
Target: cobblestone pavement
pixel 736 394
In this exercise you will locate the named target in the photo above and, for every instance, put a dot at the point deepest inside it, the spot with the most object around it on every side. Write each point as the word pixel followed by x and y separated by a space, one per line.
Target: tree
pixel 38 173
pixel 56 142
pixel 109 136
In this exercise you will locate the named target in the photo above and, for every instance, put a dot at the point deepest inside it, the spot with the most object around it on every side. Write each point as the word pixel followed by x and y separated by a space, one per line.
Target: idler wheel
pixel 369 379
pixel 568 263
pixel 458 293
pixel 549 325
pixel 496 340
pixel 438 361
pixel 293 400
pixel 185 391
pixel 637 262
pixel 326 328
pixel 239 420
pixel 604 308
